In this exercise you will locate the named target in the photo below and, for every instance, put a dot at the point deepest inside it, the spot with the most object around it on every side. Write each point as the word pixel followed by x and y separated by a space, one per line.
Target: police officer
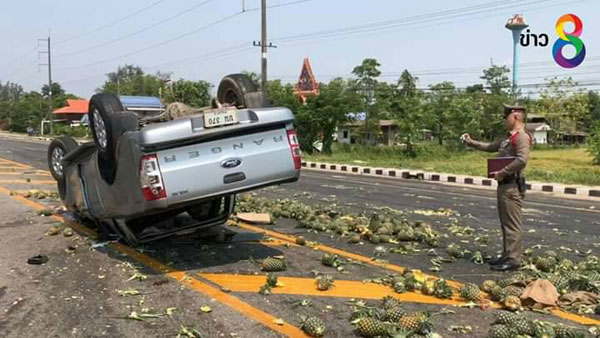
pixel 511 184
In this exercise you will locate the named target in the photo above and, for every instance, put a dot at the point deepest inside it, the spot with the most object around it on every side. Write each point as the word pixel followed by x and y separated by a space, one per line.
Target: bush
pixel 66 130
pixel 594 143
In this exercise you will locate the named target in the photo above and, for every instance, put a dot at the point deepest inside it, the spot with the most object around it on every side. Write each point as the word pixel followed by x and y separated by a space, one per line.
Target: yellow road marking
pixel 16 164
pixel 255 313
pixel 23 181
pixel 181 277
pixel 14 173
pixel 307 287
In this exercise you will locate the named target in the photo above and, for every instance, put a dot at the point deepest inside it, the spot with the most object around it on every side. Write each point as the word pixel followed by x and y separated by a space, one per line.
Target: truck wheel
pixel 233 90
pixel 108 122
pixel 58 148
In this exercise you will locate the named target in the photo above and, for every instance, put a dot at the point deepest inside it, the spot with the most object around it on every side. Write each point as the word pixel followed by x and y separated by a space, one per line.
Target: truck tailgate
pixel 226 166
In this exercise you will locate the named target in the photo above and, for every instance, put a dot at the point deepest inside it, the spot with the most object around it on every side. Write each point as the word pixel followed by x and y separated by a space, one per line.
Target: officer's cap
pixel 509 109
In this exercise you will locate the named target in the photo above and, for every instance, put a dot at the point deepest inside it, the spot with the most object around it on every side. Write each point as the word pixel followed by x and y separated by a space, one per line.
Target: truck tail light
pixel 151 181
pixel 295 146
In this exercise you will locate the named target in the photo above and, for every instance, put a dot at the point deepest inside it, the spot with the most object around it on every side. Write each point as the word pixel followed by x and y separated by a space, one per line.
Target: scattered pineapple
pixel 512 290
pixel 395 314
pixel 354 239
pixel 497 293
pixel 390 302
pixel 274 264
pixel 524 327
pixel 399 287
pixel 454 250
pixel 567 332
pixel 502 331
pixel 507 318
pixel 428 288
pixel 470 292
pixel 370 327
pixel 507 281
pixel 441 289
pixel 271 280
pixel 300 240
pixel 324 283
pixel 313 326
pixel 544 330
pixel 488 285
pixel 546 263
pixel 512 303
pixel 410 322
pixel 330 260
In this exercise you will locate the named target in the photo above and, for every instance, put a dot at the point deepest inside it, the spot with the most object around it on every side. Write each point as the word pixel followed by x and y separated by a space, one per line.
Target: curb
pixel 558 190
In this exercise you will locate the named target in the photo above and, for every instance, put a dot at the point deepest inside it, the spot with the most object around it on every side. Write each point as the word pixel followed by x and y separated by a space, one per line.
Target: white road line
pixel 447 193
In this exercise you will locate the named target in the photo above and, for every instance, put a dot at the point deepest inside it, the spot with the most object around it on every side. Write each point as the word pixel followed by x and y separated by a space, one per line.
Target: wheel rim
pixel 100 129
pixel 57 156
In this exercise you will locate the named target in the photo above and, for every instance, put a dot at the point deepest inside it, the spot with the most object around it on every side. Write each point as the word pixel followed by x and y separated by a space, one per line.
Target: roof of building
pixel 74 107
pixel 307 84
pixel 382 123
pixel 538 126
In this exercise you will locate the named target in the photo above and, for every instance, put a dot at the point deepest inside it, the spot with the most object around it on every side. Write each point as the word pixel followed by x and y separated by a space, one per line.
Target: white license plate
pixel 220 118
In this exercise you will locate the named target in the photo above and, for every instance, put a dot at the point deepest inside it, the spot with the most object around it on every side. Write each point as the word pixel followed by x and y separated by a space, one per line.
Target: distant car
pixel 136 179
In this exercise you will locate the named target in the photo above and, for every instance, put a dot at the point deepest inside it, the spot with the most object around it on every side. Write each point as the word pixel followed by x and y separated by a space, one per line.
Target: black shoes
pixel 506 265
pixel 496 261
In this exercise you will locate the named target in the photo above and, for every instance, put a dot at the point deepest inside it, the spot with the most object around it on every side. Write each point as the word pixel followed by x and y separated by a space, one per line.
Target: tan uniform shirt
pixel 516 145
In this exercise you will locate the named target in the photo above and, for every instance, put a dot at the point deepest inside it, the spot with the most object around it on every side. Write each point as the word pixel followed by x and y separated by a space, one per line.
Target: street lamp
pixel 516 24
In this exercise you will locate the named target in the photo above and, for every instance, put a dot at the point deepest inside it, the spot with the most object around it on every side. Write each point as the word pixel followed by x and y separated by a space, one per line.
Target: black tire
pixel 112 122
pixel 58 148
pixel 233 89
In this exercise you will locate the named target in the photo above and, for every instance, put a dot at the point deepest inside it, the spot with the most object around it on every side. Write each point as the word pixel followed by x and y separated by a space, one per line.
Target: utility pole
pixel 49 64
pixel 263 44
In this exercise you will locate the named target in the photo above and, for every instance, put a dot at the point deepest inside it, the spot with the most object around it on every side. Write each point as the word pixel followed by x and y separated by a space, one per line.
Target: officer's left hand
pixel 499 175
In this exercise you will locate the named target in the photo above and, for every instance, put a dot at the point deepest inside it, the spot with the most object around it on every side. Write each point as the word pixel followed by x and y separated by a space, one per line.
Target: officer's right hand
pixel 467 139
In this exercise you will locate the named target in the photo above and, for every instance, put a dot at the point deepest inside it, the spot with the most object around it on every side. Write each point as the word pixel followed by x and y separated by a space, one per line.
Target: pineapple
pixel 354 239
pixel 544 330
pixel 271 280
pixel 384 238
pixel 411 283
pixel 545 264
pixel 497 293
pixel 300 240
pixel 512 303
pixel 324 283
pixel 370 327
pixel 524 327
pixel 551 254
pixel 455 251
pixel 502 331
pixel 507 281
pixel 507 318
pixel 406 234
pixel 470 292
pixel 399 287
pixel 390 302
pixel 395 314
pixel 513 291
pixel 567 332
pixel 374 239
pixel 273 264
pixel 442 289
pixel 488 285
pixel 409 322
pixel 313 326
pixel 428 288
pixel 330 260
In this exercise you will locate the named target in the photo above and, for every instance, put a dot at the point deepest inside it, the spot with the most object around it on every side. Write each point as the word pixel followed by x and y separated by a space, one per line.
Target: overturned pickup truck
pixel 147 167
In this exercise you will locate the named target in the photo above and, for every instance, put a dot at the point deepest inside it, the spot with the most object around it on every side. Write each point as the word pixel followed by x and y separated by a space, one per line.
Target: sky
pixel 207 39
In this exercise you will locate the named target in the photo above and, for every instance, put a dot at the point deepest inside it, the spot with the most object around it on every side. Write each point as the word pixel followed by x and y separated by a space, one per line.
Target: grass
pixel 568 165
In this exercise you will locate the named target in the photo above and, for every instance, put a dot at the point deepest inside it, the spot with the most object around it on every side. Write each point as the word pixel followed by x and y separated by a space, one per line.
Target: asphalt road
pixel 76 294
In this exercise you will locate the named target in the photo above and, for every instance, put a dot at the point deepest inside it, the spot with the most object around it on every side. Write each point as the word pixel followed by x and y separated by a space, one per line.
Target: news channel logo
pixel 566 39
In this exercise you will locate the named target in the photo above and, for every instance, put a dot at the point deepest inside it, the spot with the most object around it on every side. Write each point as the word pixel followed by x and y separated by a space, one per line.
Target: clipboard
pixel 497 164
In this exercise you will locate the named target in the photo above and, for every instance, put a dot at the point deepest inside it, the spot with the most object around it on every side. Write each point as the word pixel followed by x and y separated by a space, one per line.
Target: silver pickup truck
pixel 138 176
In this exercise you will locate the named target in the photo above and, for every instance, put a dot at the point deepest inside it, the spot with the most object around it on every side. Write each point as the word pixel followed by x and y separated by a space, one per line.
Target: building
pixel 307 85
pixel 73 112
pixel 353 132
pixel 539 128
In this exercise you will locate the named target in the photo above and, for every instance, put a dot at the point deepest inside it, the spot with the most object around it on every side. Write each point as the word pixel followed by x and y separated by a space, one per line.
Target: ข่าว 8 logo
pixel 566 38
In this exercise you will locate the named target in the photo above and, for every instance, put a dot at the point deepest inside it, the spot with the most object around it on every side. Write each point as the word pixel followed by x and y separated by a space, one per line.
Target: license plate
pixel 220 118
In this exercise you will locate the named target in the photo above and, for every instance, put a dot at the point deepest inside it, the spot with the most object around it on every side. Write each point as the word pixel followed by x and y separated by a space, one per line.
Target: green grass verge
pixel 568 166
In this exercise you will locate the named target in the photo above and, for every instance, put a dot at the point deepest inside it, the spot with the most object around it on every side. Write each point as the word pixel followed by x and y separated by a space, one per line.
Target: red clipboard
pixel 497 164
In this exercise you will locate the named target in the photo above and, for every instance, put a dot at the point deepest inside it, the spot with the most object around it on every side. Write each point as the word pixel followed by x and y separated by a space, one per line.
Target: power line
pixel 278 5
pixel 141 10
pixel 156 24
pixel 214 23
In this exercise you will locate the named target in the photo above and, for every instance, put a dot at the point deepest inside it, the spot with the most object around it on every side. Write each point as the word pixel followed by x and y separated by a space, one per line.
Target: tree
pixel 594 143
pixel 594 104
pixel 324 113
pixel 192 93
pixel 131 80
pixel 10 91
pixel 254 77
pixel 57 90
pixel 440 99
pixel 477 88
pixel 496 79
pixel 407 84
